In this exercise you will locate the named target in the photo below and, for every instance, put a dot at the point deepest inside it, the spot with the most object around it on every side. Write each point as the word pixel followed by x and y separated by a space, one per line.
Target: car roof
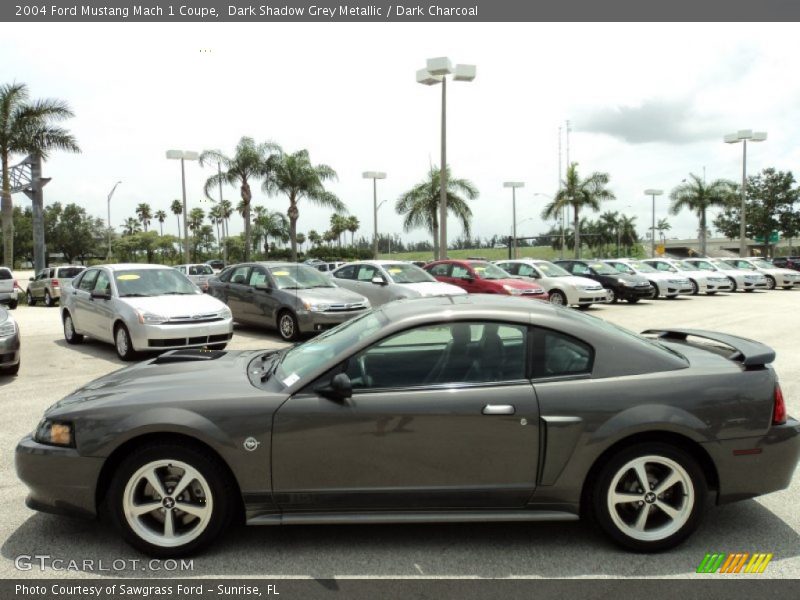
pixel 130 266
pixel 468 306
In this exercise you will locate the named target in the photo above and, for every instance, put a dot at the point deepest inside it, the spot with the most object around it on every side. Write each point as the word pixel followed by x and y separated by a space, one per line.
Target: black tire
pixel 655 290
pixel 288 328
pixel 687 503
pixel 30 299
pixel 123 344
pixel 216 486
pixel 733 283
pixel 695 287
pixel 558 298
pixel 771 283
pixel 48 299
pixel 615 297
pixel 12 305
pixel 10 370
pixel 787 287
pixel 70 335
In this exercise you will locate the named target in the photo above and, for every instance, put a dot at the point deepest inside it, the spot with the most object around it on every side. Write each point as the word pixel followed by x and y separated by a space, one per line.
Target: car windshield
pixel 486 270
pixel 687 266
pixel 5 274
pixel 736 265
pixel 133 283
pixel 406 273
pixel 551 270
pixel 306 358
pixel 643 267
pixel 200 270
pixel 299 277
pixel 604 269
pixel 69 272
pixel 762 264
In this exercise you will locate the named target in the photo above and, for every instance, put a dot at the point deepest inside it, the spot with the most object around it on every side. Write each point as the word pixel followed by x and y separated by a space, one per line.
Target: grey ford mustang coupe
pixel 463 408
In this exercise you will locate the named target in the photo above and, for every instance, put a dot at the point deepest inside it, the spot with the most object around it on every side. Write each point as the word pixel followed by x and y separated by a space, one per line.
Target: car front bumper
pixel 584 297
pixel 59 479
pixel 9 350
pixel 761 464
pixel 636 292
pixel 310 321
pixel 183 335
pixel 718 286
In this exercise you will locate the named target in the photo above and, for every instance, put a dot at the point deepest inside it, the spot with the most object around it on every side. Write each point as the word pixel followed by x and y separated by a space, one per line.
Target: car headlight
pixel 225 313
pixel 625 282
pixel 8 328
pixel 55 433
pixel 512 290
pixel 316 307
pixel 148 318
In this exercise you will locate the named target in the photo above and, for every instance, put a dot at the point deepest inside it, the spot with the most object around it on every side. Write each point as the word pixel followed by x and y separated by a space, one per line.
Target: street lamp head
pixel 745 134
pixel 464 73
pixel 652 192
pixel 731 139
pixel 759 136
pixel 373 175
pixel 182 154
pixel 439 66
pixel 513 184
pixel 425 78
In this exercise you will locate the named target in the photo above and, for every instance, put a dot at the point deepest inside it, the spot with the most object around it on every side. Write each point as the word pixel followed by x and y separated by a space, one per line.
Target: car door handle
pixel 498 409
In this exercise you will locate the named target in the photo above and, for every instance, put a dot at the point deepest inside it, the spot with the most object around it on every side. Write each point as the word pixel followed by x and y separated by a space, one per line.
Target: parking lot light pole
pixel 513 185
pixel 183 155
pixel 653 193
pixel 743 135
pixel 108 223
pixel 436 71
pixel 374 175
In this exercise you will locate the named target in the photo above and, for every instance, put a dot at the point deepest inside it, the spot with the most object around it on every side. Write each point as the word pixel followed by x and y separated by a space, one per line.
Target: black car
pixel 787 262
pixel 622 285
pixel 216 264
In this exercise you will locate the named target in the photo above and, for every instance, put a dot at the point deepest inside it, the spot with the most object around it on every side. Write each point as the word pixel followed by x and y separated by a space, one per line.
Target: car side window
pixel 225 275
pixel 102 283
pixel 662 266
pixel 441 270
pixel 511 268
pixel 557 354
pixel 88 279
pixel 258 276
pixel 239 275
pixel 460 272
pixel 526 271
pixel 443 354
pixel 42 274
pixel 346 272
pixel 580 269
pixel 367 272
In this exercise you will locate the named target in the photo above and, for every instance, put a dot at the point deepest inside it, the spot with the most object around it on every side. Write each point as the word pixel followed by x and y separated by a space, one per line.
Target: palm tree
pixel 177 209
pixel 27 127
pixel 352 225
pixel 420 204
pixel 131 226
pixel 662 227
pixel 194 221
pixel 579 194
pixel 698 197
pixel 295 176
pixel 301 239
pixel 314 237
pixel 225 211
pixel 145 214
pixel 338 226
pixel 161 216
pixel 250 161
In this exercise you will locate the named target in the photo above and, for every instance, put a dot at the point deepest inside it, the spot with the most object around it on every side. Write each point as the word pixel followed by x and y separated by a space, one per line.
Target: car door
pixel 262 303
pixel 441 417
pixel 236 292
pixel 377 294
pixel 81 309
pixel 37 286
pixel 100 317
pixel 465 278
pixel 441 272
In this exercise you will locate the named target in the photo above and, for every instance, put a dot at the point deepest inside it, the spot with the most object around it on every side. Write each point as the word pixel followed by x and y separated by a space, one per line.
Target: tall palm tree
pixel 161 216
pixel 662 227
pixel 579 194
pixel 131 226
pixel 420 205
pixel 250 162
pixel 295 176
pixel 27 127
pixel 215 216
pixel 352 224
pixel 225 211
pixel 314 237
pixel 145 214
pixel 194 221
pixel 698 196
pixel 177 209
pixel 338 226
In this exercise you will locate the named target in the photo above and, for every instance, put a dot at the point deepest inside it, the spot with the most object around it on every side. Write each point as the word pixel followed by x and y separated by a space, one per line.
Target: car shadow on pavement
pixel 447 550
pixel 95 349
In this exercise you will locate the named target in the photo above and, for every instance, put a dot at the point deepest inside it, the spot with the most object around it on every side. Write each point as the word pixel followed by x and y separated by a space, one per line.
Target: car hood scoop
pixel 188 355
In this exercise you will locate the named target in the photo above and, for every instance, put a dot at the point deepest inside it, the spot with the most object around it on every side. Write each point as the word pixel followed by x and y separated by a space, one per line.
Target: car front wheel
pixel 557 297
pixel 122 342
pixel 48 299
pixel 288 328
pixel 70 334
pixel 170 500
pixel 649 497
pixel 30 299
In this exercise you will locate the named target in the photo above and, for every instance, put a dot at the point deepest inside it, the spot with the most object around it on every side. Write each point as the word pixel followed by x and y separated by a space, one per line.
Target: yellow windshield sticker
pixel 281 273
pixel 395 271
pixel 479 268
pixel 128 277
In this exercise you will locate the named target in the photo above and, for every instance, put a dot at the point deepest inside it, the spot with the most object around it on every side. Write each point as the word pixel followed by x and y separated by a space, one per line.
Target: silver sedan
pixel 9 343
pixel 143 308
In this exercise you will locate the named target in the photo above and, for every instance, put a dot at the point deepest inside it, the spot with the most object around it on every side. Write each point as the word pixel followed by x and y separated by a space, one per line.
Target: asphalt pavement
pixel 51 369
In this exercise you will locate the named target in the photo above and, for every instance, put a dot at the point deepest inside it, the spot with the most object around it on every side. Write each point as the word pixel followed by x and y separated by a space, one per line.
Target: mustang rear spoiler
pixel 748 352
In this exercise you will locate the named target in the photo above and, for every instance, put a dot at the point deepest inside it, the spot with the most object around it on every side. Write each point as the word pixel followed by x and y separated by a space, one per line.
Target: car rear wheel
pixel 12 305
pixel 558 297
pixel 655 290
pixel 170 500
pixel 695 287
pixel 122 342
pixel 48 299
pixel 733 283
pixel 615 297
pixel 30 299
pixel 770 283
pixel 288 328
pixel 649 497
pixel 70 334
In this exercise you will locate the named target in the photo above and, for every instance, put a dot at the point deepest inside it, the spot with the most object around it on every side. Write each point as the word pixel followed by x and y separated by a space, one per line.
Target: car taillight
pixel 16 285
pixel 54 283
pixel 779 407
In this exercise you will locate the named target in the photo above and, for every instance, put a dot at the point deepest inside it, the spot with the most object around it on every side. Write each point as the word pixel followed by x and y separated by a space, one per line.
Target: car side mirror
pixel 340 388
pixel 100 295
pixel 377 280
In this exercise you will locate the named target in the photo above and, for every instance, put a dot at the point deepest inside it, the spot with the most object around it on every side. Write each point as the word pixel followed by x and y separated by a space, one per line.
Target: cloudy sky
pixel 648 103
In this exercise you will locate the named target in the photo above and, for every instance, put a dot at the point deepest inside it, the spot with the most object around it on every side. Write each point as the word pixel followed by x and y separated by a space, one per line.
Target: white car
pixel 703 282
pixel 742 279
pixel 563 287
pixel 141 308
pixel 383 281
pixel 776 276
pixel 668 285
pixel 198 274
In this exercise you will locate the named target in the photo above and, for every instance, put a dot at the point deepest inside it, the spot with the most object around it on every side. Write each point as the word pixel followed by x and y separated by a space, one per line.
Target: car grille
pixel 642 284
pixel 192 341
pixel 184 319
pixel 346 307
pixel 8 357
pixel 532 292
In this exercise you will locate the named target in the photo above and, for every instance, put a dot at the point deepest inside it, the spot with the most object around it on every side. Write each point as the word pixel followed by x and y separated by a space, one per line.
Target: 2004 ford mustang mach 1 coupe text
pixel 463 408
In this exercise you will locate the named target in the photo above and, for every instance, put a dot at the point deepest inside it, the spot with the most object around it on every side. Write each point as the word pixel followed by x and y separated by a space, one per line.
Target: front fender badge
pixel 251 444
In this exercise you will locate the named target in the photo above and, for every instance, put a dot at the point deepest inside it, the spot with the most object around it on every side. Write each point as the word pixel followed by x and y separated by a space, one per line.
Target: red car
pixel 481 277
